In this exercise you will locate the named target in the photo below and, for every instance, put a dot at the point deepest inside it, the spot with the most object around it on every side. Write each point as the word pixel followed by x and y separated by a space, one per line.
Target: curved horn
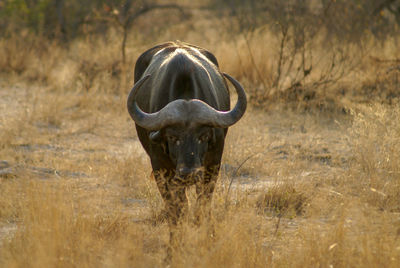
pixel 224 119
pixel 200 112
pixel 151 121
pixel 134 111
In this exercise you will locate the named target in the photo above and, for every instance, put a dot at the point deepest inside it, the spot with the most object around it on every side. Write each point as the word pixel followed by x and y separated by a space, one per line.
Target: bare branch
pixel 260 77
pixel 235 174
pixel 284 32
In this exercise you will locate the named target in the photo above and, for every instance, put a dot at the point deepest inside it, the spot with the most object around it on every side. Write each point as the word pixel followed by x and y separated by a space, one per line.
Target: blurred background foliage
pixel 66 20
pixel 346 19
pixel 282 51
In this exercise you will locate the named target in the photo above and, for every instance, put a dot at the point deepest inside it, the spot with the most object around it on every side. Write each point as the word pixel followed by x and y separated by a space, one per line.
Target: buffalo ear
pixel 155 136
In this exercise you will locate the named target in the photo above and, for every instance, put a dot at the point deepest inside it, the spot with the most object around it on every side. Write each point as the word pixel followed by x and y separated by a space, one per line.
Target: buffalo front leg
pixel 176 204
pixel 204 190
pixel 174 196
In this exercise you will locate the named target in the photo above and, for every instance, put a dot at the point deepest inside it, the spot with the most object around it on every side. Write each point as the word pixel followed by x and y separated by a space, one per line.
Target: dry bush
pixel 29 56
pixel 59 230
pixel 89 65
pixel 282 200
pixel 237 241
pixel 383 85
pixel 58 226
pixel 376 144
pixel 97 65
pixel 351 239
pixel 280 69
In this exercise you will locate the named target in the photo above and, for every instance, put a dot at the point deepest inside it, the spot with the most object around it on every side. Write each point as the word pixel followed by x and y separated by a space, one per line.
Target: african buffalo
pixel 181 107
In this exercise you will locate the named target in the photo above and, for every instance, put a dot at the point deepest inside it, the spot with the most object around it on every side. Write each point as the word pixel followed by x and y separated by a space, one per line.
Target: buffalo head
pixel 186 128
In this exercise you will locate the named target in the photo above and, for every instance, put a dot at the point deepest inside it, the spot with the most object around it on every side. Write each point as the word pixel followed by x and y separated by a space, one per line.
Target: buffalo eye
pixel 173 139
pixel 204 138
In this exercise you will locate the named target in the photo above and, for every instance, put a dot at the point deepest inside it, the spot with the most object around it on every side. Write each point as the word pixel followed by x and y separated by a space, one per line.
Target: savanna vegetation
pixel 310 176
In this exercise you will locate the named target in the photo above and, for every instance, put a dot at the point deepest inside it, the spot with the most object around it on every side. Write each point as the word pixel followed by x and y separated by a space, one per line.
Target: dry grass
pixel 296 189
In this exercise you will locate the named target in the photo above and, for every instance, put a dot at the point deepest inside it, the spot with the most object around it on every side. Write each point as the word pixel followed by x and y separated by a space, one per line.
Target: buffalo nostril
pixel 184 171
